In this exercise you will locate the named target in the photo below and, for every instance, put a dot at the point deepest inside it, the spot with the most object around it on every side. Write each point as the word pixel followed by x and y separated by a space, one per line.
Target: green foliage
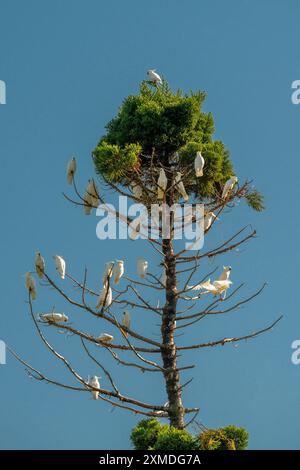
pixel 163 124
pixel 255 200
pixel 112 161
pixel 227 438
pixel 160 127
pixel 150 434
pixel 170 438
pixel 145 433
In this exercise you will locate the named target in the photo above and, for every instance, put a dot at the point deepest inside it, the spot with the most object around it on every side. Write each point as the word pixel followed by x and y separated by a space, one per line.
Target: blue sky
pixel 67 66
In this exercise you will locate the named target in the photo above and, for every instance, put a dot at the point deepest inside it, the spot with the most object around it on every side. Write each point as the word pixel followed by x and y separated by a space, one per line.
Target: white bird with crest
pixel 30 285
pixel 60 265
pixel 199 164
pixel 39 264
pixel 71 170
pixel 162 183
pixel 118 270
pixel 228 187
pixel 154 77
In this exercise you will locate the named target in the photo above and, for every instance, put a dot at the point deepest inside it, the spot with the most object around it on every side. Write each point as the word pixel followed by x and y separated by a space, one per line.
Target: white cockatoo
pixel 208 220
pixel 126 321
pixel 54 317
pixel 94 382
pixel 30 285
pixel 71 170
pixel 162 183
pixel 88 203
pixel 199 164
pixel 108 271
pixel 105 298
pixel 60 265
pixel 154 77
pixel 105 338
pixel 215 288
pixel 92 190
pixel 228 187
pixel 39 264
pixel 180 186
pixel 225 274
pixel 118 270
pixel 142 267
pixel 136 190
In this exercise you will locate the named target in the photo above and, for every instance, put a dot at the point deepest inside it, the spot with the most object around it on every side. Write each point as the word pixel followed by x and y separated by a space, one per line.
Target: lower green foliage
pixel 150 434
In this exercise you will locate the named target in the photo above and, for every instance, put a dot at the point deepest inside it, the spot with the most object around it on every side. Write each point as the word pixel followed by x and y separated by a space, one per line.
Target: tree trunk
pixel 176 411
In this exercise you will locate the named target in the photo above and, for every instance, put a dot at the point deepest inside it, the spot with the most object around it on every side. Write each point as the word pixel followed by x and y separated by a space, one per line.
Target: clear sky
pixel 67 66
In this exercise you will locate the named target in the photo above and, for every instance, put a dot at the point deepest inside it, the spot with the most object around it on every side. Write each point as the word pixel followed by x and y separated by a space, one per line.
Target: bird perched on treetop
pixel 199 164
pixel 154 77
pixel 39 264
pixel 60 265
pixel 71 170
pixel 228 187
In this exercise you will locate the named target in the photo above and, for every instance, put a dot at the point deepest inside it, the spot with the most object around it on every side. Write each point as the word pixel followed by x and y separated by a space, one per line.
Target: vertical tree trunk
pixel 168 352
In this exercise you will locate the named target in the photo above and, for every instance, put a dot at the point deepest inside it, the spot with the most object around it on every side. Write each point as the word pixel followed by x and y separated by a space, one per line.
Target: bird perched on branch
pixel 39 264
pixel 161 184
pixel 88 203
pixel 105 297
pixel 199 164
pixel 225 274
pixel 142 267
pixel 108 271
pixel 215 288
pixel 154 77
pixel 118 270
pixel 71 170
pixel 30 285
pixel 94 382
pixel 60 265
pixel 126 321
pixel 54 317
pixel 136 190
pixel 105 338
pixel 180 186
pixel 228 187
pixel 93 192
pixel 208 220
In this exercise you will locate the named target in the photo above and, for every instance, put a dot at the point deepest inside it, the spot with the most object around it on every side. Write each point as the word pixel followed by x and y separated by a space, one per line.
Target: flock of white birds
pixel 115 269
